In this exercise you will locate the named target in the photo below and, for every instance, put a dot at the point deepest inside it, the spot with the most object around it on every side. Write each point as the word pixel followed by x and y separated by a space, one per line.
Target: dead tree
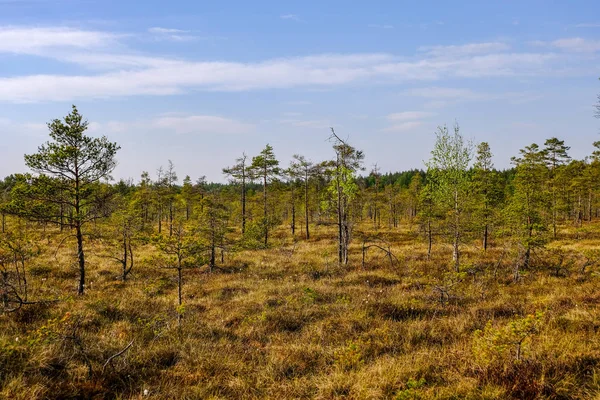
pixel 381 245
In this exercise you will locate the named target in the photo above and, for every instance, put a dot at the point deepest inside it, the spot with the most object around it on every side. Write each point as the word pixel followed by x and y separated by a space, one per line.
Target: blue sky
pixel 200 82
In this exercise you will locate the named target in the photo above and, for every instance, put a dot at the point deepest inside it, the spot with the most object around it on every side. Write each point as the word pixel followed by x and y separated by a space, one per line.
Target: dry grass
pixel 287 322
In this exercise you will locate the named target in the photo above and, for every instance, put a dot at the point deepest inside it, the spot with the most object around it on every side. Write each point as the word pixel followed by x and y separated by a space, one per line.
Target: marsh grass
pixel 288 322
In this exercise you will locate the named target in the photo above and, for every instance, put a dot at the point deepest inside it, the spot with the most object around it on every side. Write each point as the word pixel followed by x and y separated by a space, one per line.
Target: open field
pixel 287 322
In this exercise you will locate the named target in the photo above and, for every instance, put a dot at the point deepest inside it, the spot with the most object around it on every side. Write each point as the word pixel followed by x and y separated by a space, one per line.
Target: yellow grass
pixel 288 323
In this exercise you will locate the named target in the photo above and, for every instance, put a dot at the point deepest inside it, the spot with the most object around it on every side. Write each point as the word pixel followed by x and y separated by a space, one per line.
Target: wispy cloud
pixel 381 26
pixel 307 123
pixel 37 40
pixel 179 125
pixel 575 45
pixel 444 93
pixel 406 120
pixel 124 72
pixel 178 35
pixel 292 17
pixel 587 25
pixel 202 124
pixel 403 126
pixel 465 49
pixel 166 30
pixel 409 115
pixel 443 96
pixel 167 77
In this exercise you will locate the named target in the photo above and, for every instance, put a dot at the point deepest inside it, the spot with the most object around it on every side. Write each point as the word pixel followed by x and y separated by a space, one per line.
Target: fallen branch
pixel 109 361
pixel 387 251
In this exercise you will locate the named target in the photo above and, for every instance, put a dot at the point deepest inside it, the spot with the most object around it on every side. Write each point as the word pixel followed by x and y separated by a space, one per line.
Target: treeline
pixel 459 199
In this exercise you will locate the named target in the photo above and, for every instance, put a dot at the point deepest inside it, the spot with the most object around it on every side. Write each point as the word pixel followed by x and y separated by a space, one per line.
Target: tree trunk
pixel 124 257
pixel 79 235
pixel 243 201
pixel 179 296
pixel 265 221
pixel 81 256
pixel 159 219
pixel 306 204
pixel 293 212
pixel 340 227
pixel 485 237
pixel 455 245
pixel 212 252
pixel 170 218
pixel 429 239
pixel 528 251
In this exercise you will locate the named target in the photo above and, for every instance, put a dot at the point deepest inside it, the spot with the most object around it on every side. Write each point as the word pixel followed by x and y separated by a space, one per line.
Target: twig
pixel 117 355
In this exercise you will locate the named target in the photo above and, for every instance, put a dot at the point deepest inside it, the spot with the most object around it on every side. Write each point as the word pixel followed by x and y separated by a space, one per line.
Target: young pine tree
pixel 70 169
pixel 303 169
pixel 530 200
pixel 487 191
pixel 240 174
pixel 556 156
pixel 266 167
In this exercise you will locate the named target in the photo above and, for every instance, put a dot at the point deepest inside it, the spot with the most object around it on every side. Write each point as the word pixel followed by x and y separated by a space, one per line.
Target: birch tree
pixel 448 170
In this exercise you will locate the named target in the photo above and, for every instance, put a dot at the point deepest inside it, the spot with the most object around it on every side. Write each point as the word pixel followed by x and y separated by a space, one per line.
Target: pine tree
pixel 556 156
pixel 266 167
pixel 530 200
pixel 240 174
pixel 303 169
pixel 71 168
pixel 487 191
pixel 213 226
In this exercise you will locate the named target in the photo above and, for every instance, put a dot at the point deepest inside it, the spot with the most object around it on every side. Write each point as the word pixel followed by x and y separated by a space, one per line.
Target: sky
pixel 200 82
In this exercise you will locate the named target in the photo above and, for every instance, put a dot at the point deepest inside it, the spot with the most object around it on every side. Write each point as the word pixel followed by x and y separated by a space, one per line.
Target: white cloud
pixel 176 124
pixel 403 126
pixel 443 93
pixel 465 49
pixel 576 45
pixel 406 120
pixel 165 30
pixel 587 25
pixel 108 61
pixel 202 124
pixel 442 96
pixel 165 77
pixel 292 17
pixel 314 123
pixel 23 129
pixel 381 26
pixel 409 115
pixel 128 73
pixel 38 40
pixel 177 35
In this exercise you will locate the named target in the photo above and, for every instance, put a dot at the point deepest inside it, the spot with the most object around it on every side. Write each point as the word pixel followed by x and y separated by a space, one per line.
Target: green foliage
pixel 448 174
pixel 412 390
pixel 527 210
pixel 510 341
pixel 349 357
